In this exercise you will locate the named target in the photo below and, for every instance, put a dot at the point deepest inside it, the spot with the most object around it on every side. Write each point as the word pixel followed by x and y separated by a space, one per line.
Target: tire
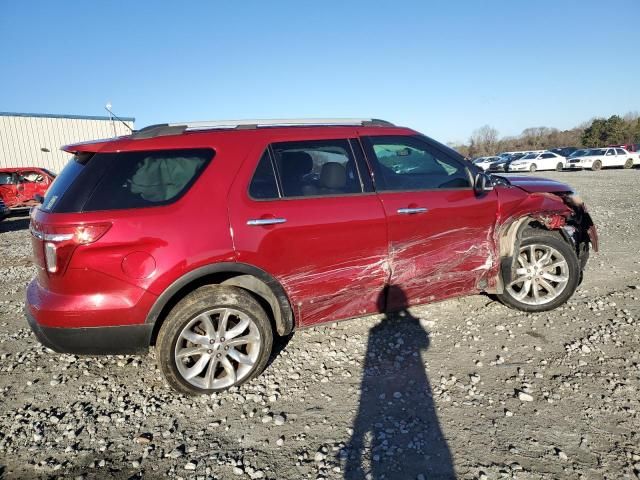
pixel 538 298
pixel 533 167
pixel 628 163
pixel 597 165
pixel 559 167
pixel 208 307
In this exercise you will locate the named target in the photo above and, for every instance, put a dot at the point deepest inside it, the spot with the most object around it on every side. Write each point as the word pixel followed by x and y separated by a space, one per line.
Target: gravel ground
pixel 465 388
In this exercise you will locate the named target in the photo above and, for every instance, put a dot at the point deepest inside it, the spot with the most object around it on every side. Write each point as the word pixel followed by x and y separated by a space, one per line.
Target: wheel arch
pixel 510 236
pixel 267 290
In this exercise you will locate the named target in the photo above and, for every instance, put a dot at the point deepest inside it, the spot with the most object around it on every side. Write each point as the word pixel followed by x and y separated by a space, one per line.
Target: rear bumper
pixel 98 324
pixel 125 339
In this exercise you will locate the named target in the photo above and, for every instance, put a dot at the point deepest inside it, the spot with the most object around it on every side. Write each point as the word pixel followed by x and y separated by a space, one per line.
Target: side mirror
pixel 482 183
pixel 38 198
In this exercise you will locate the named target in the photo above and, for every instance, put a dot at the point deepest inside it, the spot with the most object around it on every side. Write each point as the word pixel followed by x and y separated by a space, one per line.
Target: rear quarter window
pixel 116 181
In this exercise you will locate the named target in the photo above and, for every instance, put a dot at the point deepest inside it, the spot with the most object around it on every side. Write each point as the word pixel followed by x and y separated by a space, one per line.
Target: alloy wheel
pixel 541 275
pixel 217 348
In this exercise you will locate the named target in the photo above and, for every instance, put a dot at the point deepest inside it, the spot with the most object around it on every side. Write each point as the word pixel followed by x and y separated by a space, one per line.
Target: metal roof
pixel 56 115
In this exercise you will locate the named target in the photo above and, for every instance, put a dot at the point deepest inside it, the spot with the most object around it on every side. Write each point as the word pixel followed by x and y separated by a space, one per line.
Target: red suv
pixel 21 187
pixel 207 239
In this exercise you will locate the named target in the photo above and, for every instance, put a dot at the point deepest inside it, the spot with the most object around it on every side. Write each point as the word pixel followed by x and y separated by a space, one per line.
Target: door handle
pixel 412 211
pixel 265 221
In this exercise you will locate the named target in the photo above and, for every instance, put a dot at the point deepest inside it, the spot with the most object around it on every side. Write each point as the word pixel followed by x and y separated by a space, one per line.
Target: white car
pixel 485 162
pixel 597 158
pixel 538 161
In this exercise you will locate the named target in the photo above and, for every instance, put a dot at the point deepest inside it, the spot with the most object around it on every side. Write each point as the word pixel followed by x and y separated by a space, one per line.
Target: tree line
pixel 599 132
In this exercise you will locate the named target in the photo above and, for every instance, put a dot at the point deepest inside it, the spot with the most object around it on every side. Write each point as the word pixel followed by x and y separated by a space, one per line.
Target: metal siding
pixel 22 137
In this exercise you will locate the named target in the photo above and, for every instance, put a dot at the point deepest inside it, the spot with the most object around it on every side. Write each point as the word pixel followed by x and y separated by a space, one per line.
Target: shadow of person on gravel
pixel 396 430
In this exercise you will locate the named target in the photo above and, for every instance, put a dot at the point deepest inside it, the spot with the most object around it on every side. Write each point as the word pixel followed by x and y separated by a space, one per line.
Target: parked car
pixel 4 210
pixel 19 187
pixel 207 239
pixel 485 162
pixel 598 158
pixel 629 147
pixel 538 161
pixel 501 165
pixel 563 151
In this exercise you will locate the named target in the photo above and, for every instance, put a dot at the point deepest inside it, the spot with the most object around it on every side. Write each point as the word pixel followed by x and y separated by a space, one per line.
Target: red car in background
pixel 20 186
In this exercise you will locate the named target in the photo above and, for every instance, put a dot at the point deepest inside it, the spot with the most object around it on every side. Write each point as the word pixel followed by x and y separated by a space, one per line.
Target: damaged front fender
pixel 564 212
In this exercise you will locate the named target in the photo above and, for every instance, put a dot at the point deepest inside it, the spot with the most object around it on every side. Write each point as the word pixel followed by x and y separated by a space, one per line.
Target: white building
pixel 34 140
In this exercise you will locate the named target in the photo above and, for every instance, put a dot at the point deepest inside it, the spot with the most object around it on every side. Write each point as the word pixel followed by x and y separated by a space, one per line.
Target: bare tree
pixel 484 140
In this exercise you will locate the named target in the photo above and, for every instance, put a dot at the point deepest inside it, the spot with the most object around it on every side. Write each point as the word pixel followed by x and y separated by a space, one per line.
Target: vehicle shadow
pixel 13 224
pixel 396 433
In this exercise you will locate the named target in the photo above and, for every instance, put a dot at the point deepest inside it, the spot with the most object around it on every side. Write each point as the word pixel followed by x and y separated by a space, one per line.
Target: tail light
pixel 61 241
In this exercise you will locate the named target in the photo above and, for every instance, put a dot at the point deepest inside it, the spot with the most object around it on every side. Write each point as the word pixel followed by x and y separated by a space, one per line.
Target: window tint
pixel 312 168
pixel 112 181
pixel 407 163
pixel 263 184
pixel 63 183
pixel 6 178
pixel 619 151
pixel 547 155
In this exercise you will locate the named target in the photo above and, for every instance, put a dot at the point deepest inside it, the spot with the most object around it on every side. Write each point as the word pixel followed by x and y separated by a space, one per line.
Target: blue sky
pixel 442 67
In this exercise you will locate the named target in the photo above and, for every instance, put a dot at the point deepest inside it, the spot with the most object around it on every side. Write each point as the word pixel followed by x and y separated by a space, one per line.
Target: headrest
pixel 296 163
pixel 333 175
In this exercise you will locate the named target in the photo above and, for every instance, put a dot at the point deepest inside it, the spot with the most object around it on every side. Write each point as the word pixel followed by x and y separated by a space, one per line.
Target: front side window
pixel 29 176
pixel 619 151
pixel 408 163
pixel 316 168
pixel 547 155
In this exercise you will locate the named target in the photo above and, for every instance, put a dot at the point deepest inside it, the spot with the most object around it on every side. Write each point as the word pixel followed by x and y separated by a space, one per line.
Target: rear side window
pixel 264 184
pixel 316 168
pixel 6 178
pixel 115 181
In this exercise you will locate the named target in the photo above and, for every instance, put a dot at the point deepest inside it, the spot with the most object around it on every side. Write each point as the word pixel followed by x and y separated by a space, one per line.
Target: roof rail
pixel 177 128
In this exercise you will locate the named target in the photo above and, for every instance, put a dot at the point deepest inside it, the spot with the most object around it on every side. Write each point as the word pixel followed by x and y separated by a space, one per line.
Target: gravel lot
pixel 464 388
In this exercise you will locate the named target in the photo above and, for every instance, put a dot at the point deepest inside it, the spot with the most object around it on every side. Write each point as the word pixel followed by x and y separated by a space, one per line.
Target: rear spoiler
pixel 90 146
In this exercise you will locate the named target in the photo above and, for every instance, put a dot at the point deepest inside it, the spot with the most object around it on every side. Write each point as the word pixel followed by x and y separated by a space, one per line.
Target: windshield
pixel 594 152
pixel 529 156
pixel 578 153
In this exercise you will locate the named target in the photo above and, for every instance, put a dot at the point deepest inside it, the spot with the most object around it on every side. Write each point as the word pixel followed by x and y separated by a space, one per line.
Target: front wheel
pixel 545 274
pixel 559 167
pixel 628 163
pixel 597 165
pixel 533 167
pixel 215 338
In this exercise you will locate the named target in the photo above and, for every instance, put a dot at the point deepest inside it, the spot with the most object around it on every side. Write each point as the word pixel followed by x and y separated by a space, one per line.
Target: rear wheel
pixel 628 163
pixel 559 167
pixel 215 338
pixel 597 165
pixel 533 167
pixel 545 275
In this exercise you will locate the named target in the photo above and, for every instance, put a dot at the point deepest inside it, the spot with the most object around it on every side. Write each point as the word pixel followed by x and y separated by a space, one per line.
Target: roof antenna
pixel 107 107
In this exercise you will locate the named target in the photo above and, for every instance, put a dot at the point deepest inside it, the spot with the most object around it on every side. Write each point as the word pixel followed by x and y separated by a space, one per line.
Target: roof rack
pixel 177 128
